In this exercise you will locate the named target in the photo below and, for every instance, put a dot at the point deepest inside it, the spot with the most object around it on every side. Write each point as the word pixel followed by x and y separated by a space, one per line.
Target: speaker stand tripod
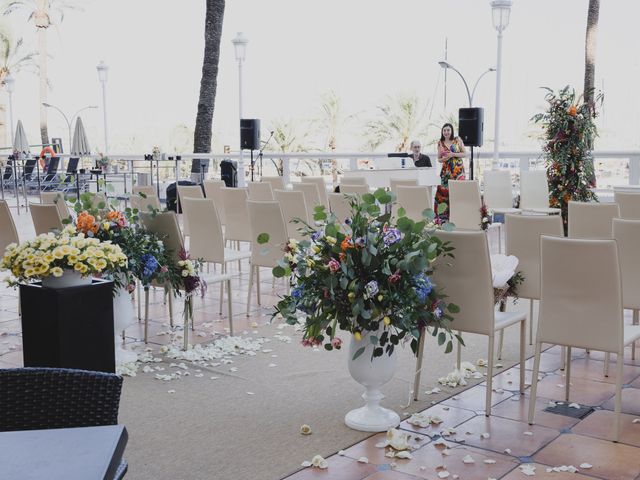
pixel 252 165
pixel 471 163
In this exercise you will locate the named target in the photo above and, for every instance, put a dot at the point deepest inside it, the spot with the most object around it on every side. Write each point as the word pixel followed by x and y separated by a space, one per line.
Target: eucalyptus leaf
pixel 359 352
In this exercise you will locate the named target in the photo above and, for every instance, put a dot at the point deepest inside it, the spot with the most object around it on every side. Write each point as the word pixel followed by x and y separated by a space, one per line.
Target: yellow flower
pixel 57 253
pixel 105 226
pixel 351 295
pixel 101 264
pixel 380 297
pixel 78 267
pixel 357 336
pixel 49 258
pixel 387 321
pixel 310 262
pixel 316 249
pixel 330 240
pixel 71 259
pixel 56 272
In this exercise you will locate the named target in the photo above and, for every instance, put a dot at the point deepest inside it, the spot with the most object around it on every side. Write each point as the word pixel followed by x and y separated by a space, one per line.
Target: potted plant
pixel 369 277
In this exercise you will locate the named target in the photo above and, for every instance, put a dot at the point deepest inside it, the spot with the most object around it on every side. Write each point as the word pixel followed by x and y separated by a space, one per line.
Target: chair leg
pixel 139 301
pixel 224 270
pixel 230 308
pixel 459 355
pixel 170 301
pixel 492 341
pixel 239 260
pixel 531 321
pixel 251 268
pixel 563 358
pixel 146 313
pixel 258 285
pixel 503 308
pixel 418 374
pixel 635 322
pixel 618 401
pixel 607 360
pixel 567 375
pixel 523 341
pixel 534 382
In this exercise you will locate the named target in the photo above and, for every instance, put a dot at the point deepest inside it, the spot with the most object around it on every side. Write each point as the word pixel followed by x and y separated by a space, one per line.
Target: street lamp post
pixel 501 10
pixel 470 95
pixel 240 47
pixel 66 119
pixel 103 70
pixel 9 83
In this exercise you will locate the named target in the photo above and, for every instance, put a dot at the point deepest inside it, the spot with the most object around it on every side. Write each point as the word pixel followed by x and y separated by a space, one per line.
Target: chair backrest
pixel 349 180
pixel 29 167
pixel 581 294
pixel 629 204
pixel 57 199
pixel 234 203
pixel 466 279
pixel 354 189
pixel 52 168
pixel 322 188
pixel 311 194
pixel 266 217
pixel 591 219
pixel 99 198
pixel 340 206
pixel 8 232
pixel 534 189
pixel 43 398
pixel 293 205
pixel 497 189
pixel 45 218
pixel 188 191
pixel 143 203
pixel 522 239
pixel 260 191
pixel 627 235
pixel 414 200
pixel 8 170
pixel 464 204
pixel 206 240
pixel 394 183
pixel 72 165
pixel 146 189
pixel 165 226
pixel 212 190
pixel 277 183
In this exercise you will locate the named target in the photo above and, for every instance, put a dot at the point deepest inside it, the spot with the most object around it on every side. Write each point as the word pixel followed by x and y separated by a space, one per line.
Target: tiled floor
pixel 555 440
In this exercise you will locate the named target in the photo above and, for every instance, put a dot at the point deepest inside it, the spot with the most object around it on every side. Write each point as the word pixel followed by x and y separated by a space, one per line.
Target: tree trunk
pixel 590 52
pixel 209 80
pixel 4 123
pixel 42 60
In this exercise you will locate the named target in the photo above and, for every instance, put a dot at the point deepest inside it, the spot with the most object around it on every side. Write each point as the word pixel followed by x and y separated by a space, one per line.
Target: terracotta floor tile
pixel 390 475
pixel 431 457
pixel 636 383
pixel 591 369
pixel 541 474
pixel 520 410
pixel 600 423
pixel 451 417
pixel 549 362
pixel 367 448
pixel 630 401
pixel 585 392
pixel 627 357
pixel 474 399
pixel 505 433
pixel 611 461
pixel 340 468
pixel 512 375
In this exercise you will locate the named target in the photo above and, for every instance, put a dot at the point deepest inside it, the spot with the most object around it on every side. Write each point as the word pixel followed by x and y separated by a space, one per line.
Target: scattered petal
pixel 528 469
pixel 171 391
pixel 586 466
pixel 485 435
pixel 507 451
pixel 363 460
pixel 305 429
pixel 306 463
pixel 341 453
pixel 468 459
pixel 489 461
pixel 528 433
pixel 404 454
pixel 443 474
pixel 574 405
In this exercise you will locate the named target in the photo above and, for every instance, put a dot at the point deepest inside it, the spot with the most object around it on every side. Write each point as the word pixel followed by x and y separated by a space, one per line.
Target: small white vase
pixel 123 316
pixel 69 278
pixel 371 374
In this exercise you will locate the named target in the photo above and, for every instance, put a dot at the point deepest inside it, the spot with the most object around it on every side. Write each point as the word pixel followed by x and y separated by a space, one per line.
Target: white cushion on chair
pixel 506 319
pixel 631 333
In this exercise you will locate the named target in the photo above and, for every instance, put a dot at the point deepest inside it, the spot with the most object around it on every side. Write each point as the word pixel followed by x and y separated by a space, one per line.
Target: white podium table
pixel 427 176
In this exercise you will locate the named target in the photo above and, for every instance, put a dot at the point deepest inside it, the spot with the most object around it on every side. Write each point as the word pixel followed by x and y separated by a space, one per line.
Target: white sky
pixel 299 49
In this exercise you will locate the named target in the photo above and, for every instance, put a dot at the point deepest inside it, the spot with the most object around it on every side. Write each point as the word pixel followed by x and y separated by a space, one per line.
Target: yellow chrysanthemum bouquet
pixel 50 254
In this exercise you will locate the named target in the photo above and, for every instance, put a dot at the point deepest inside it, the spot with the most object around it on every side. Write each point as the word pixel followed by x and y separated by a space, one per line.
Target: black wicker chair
pixel 43 398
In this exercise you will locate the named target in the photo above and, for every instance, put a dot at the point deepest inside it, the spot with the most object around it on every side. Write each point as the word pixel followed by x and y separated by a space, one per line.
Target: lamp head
pixel 48 105
pixel 103 69
pixel 501 10
pixel 240 46
pixel 9 82
pixel 444 64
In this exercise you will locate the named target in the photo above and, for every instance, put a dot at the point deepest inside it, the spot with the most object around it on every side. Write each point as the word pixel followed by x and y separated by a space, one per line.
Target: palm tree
pixel 13 58
pixel 209 80
pixel 290 136
pixel 400 119
pixel 44 14
pixel 593 13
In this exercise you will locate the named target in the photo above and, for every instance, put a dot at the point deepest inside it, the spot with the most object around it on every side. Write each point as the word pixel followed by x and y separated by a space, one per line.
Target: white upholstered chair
pixel 534 193
pixel 414 200
pixel 498 194
pixel 629 203
pixel 293 205
pixel 260 191
pixel 592 219
pixel 45 218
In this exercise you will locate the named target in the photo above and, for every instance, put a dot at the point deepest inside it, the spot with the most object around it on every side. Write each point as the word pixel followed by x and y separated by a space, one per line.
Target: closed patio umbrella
pixel 20 148
pixel 80 143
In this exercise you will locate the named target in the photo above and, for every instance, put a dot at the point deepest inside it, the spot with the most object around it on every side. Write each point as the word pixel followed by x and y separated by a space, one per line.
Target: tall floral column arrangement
pixel 569 131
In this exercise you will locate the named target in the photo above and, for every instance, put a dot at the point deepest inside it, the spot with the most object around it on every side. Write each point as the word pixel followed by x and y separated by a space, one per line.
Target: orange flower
pixel 346 244
pixel 116 217
pixel 86 223
pixel 572 110
pixel 567 197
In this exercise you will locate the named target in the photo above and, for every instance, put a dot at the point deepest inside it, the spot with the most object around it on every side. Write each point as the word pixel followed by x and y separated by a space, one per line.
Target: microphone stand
pixel 261 149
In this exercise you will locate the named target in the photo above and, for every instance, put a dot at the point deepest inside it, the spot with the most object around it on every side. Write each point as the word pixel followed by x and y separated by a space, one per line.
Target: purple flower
pixel 315 236
pixel 360 242
pixel 392 236
pixel 333 265
pixel 347 221
pixel 371 288
pixel 437 312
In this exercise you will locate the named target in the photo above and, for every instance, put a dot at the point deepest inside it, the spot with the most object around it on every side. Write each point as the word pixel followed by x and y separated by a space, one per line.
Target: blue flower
pixel 422 286
pixel 392 236
pixel 371 288
pixel 347 221
pixel 150 265
pixel 297 293
pixel 360 242
pixel 437 312
pixel 315 236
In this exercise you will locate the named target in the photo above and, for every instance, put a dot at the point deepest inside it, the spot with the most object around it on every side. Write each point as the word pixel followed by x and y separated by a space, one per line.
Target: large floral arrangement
pixel 370 274
pixel 51 253
pixel 569 131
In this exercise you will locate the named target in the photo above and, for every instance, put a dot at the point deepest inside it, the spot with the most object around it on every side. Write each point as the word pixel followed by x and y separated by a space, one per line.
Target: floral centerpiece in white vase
pixel 370 277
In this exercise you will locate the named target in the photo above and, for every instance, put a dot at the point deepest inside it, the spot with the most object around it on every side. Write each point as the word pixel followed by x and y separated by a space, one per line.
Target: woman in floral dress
pixel 450 153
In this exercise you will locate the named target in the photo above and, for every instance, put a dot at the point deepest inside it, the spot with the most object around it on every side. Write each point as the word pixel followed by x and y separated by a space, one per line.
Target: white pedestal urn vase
pixel 123 316
pixel 371 374
pixel 69 278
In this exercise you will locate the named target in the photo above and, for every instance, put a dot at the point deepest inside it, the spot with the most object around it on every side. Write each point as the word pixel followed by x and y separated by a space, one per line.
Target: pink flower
pixel 164 269
pixel 395 277
pixel 336 343
pixel 333 265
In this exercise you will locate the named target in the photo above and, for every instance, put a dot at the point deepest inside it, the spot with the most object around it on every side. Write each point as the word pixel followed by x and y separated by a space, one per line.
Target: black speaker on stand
pixel 471 127
pixel 250 137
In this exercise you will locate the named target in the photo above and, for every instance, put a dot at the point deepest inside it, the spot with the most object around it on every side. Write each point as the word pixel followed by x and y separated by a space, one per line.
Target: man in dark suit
pixel 419 159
